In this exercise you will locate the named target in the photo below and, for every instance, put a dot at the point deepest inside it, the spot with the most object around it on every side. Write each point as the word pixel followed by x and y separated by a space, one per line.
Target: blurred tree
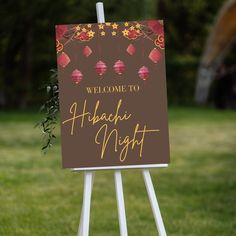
pixel 27 44
pixel 27 41
pixel 187 24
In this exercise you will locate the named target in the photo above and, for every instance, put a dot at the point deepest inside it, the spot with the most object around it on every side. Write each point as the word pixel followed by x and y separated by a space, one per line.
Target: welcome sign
pixel 112 90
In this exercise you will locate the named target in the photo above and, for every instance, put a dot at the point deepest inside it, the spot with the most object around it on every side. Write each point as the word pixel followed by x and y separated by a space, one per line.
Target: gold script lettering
pixel 103 137
pixel 95 117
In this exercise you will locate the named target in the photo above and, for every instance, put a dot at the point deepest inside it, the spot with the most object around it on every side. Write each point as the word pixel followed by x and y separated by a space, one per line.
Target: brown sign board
pixel 112 91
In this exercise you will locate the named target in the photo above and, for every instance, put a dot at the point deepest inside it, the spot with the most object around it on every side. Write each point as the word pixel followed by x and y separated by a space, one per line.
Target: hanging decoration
pixel 83 32
pixel 159 42
pixel 131 49
pixel 155 55
pixel 76 76
pixel 119 67
pixel 100 68
pixel 150 30
pixel 143 73
pixel 131 33
pixel 63 60
pixel 87 51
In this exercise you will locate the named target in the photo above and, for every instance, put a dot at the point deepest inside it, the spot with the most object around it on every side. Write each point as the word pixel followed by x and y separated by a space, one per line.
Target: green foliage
pixel 51 109
pixel 196 192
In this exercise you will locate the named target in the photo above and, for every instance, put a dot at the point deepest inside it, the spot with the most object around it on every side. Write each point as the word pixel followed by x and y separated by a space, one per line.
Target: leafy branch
pixel 51 109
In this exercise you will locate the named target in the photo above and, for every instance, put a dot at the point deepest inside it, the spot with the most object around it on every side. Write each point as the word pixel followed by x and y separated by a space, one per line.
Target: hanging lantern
pixel 119 67
pixel 87 51
pixel 63 60
pixel 76 76
pixel 155 55
pixel 131 49
pixel 100 68
pixel 143 73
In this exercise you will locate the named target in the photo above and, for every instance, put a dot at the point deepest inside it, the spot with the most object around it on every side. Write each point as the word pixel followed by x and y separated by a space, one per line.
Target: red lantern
pixel 131 49
pixel 76 76
pixel 143 73
pixel 119 67
pixel 155 55
pixel 100 68
pixel 63 60
pixel 87 51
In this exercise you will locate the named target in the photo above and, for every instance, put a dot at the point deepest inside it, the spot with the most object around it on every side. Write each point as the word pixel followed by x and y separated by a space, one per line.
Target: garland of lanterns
pixel 131 31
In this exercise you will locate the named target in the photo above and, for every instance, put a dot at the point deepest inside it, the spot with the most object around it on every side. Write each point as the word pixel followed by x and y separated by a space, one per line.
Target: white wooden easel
pixel 88 184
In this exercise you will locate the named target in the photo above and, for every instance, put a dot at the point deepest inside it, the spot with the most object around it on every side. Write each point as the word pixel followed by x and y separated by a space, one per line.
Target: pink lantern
pixel 143 73
pixel 100 68
pixel 63 60
pixel 131 49
pixel 119 67
pixel 155 55
pixel 76 76
pixel 87 51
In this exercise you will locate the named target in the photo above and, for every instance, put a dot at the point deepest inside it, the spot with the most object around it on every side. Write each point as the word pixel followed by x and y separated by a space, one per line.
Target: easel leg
pixel 120 203
pixel 154 203
pixel 80 231
pixel 85 212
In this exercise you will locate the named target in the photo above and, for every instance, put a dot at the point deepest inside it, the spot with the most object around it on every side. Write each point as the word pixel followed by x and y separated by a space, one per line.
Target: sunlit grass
pixel 196 192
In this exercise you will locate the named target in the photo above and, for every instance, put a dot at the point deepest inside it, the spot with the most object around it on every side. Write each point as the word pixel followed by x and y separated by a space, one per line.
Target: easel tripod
pixel 88 184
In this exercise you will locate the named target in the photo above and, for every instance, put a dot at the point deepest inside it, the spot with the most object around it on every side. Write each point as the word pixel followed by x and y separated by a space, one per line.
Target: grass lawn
pixel 197 193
